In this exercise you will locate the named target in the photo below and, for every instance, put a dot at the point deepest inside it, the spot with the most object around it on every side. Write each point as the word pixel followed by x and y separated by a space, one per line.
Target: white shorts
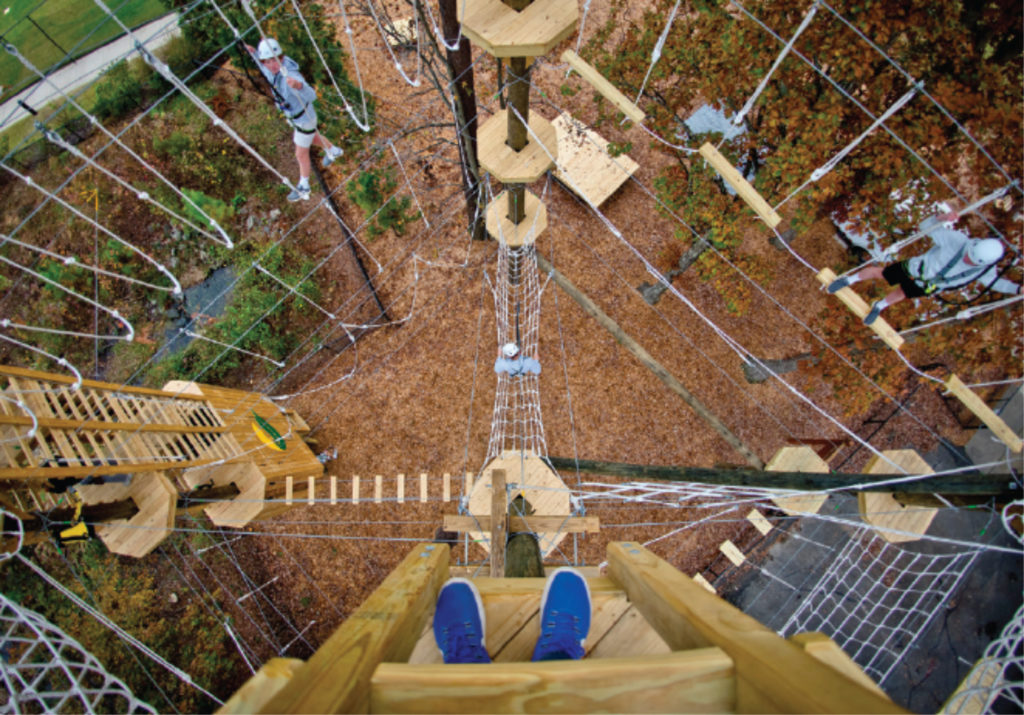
pixel 303 139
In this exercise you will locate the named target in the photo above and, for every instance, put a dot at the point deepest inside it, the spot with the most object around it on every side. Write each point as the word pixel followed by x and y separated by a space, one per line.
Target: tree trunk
pixel 460 63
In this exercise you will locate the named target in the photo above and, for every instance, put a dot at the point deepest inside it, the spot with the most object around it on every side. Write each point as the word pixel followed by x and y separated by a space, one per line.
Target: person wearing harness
pixel 515 363
pixel 954 260
pixel 294 97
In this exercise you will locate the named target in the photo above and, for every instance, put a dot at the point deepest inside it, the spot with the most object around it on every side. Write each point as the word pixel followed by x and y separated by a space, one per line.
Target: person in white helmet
pixel 512 361
pixel 954 260
pixel 294 97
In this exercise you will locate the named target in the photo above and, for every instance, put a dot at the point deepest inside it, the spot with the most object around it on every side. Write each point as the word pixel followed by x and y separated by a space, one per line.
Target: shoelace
pixel 462 647
pixel 561 632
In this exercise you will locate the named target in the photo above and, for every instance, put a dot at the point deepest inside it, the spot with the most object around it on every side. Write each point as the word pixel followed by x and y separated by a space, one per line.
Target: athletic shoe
pixel 564 616
pixel 299 194
pixel 459 623
pixel 331 155
pixel 872 316
pixel 838 284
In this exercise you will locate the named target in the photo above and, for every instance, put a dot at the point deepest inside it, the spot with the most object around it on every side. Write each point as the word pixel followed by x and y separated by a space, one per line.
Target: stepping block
pixel 155 497
pixel 798 459
pixel 501 228
pixel 503 32
pixel 233 513
pixel 882 509
pixel 605 88
pixel 742 187
pixel 985 413
pixel 860 308
pixel 584 165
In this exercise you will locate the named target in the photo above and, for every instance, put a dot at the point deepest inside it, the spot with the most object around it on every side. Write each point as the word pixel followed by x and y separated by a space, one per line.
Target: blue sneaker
pixel 838 284
pixel 459 623
pixel 873 314
pixel 564 616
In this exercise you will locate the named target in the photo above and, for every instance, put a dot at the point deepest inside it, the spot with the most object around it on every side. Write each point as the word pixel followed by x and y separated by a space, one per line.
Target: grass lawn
pixel 76 26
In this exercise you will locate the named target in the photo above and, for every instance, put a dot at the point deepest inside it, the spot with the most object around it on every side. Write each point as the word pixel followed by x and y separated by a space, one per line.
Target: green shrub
pixel 370 191
pixel 173 146
pixel 219 211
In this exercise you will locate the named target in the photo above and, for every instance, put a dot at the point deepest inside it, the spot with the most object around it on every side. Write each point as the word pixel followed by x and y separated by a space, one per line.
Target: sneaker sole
pixel 547 587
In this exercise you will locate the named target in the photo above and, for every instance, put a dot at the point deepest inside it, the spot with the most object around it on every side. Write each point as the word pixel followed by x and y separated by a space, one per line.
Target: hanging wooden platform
pixel 718 659
pixel 584 165
pixel 985 413
pixel 247 506
pixel 154 496
pixel 798 459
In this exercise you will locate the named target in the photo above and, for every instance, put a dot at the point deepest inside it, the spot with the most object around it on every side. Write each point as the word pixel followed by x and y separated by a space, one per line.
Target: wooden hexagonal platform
pixel 536 481
pixel 237 512
pixel 881 509
pixel 504 32
pixel 155 498
pixel 517 167
pixel 527 231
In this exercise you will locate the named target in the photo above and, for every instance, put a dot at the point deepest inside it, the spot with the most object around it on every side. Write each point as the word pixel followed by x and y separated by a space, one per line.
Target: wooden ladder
pixel 711 657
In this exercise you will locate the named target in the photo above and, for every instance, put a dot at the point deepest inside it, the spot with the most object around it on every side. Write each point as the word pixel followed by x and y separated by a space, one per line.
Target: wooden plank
pixel 9 370
pixel 630 636
pixel 517 167
pixel 423 488
pixel 263 685
pixel 985 413
pixel 311 490
pixel 798 459
pixel 703 583
pixel 531 32
pixel 828 651
pixel 401 489
pixel 336 679
pixel 759 521
pixel 700 681
pixel 539 524
pixel 773 675
pixel 732 553
pixel 499 519
pixel 743 188
pixel 606 89
pixel 446 487
pixel 378 489
pixel 585 165
pixel 883 510
pixel 859 307
pixel 288 490
pixel 355 489
pixel 334 489
pixel 467 483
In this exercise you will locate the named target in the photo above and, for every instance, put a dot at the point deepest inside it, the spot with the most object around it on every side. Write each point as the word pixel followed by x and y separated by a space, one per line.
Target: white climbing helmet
pixel 268 49
pixel 509 350
pixel 985 251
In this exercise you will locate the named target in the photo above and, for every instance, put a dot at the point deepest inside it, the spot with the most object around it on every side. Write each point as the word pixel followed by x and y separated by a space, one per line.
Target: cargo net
pixel 516 424
pixel 46 671
pixel 875 599
pixel 996 682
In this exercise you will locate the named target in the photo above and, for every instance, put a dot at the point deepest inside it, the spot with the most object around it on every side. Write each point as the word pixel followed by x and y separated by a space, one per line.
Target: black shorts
pixel 896 274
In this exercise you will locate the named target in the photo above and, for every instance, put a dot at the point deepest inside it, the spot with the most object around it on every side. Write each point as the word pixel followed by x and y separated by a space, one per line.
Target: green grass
pixel 68 22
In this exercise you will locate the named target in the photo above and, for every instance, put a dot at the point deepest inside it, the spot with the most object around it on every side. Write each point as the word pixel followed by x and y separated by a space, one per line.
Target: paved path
pixel 88 67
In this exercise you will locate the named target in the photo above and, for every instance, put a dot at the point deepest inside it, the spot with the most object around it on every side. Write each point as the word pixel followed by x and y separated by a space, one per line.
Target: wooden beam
pixel 378 489
pixel 334 490
pixel 499 519
pixel 859 307
pixel 650 363
pixel 606 89
pixel 828 651
pixel 743 188
pixel 696 681
pixel 262 686
pixel 355 489
pixel 63 424
pixel 423 488
pixel 10 370
pixel 446 488
pixel 772 674
pixel 336 679
pixel 570 525
pixel 976 405
pixel 401 489
pixel 994 485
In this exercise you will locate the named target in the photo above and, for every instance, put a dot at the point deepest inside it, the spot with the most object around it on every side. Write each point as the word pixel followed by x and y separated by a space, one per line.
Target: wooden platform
pixel 251 491
pixel 154 496
pixel 503 32
pixel 512 606
pixel 584 165
pixel 526 231
pixel 881 509
pixel 516 167
pixel 798 459
pixel 536 481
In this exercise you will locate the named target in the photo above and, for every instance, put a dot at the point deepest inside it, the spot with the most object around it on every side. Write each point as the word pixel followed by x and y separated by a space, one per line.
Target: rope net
pixel 516 424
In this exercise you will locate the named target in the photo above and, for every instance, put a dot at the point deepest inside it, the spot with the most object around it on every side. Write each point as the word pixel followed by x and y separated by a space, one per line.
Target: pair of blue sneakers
pixel 460 625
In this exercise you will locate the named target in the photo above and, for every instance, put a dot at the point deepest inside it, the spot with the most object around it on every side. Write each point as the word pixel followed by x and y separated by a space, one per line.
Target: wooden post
pixel 499 511
pixel 650 363
pixel 423 488
pixel 401 488
pixel 334 490
pixel 518 100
